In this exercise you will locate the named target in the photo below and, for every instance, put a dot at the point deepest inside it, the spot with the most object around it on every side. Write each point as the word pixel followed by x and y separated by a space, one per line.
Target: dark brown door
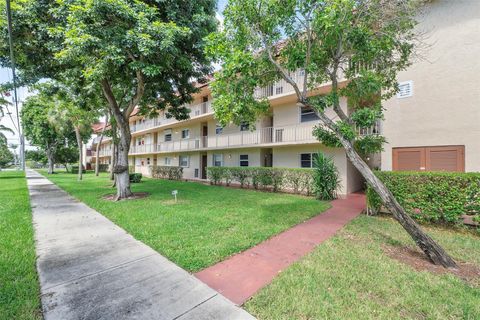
pixel 444 158
pixel 204 166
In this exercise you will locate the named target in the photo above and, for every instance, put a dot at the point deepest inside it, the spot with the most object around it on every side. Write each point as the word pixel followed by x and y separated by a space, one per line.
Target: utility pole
pixel 12 61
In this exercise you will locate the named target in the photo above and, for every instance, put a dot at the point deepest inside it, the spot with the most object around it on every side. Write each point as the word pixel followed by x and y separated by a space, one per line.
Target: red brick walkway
pixel 239 277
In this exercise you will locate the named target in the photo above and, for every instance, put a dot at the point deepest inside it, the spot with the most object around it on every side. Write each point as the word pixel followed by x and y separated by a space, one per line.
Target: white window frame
pixel 214 161
pixel 167 132
pixel 240 160
pixel 187 136
pixel 180 161
pixel 167 161
pixel 312 154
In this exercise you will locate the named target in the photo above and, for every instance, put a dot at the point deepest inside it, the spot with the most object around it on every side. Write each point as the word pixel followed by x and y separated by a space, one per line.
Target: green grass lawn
pixel 19 288
pixel 350 277
pixel 208 224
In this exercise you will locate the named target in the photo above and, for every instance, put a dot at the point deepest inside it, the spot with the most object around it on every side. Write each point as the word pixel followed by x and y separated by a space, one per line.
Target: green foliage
pixel 6 156
pixel 74 169
pixel 135 177
pixel 432 196
pixel 41 131
pixel 325 178
pixel 38 156
pixel 103 167
pixel 167 172
pixel 277 179
pixel 66 154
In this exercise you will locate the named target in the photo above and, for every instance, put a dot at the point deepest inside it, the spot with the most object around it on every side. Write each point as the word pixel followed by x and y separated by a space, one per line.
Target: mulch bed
pixel 136 195
pixel 416 259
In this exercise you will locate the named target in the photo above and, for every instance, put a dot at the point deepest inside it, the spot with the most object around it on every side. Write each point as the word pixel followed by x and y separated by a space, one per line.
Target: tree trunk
pixel 122 177
pixel 51 160
pixel 433 251
pixel 80 152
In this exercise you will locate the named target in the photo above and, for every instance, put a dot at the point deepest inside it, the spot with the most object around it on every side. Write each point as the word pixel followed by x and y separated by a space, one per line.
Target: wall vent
pixel 405 89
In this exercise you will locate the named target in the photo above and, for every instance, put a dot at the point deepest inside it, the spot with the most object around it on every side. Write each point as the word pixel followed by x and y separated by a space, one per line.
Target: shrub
pixel 296 180
pixel 325 177
pixel 240 175
pixel 74 169
pixel 432 196
pixel 103 167
pixel 167 172
pixel 135 177
pixel 215 174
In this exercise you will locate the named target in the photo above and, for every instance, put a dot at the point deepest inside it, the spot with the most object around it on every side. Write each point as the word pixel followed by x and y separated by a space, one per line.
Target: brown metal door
pixel 408 159
pixel 450 158
pixel 444 158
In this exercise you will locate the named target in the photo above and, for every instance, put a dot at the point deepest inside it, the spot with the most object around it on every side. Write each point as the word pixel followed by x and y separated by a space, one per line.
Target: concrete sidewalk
pixel 90 268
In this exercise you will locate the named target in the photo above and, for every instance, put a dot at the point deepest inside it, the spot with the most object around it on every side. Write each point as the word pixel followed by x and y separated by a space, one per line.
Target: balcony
pixel 263 136
pixel 280 87
pixel 195 111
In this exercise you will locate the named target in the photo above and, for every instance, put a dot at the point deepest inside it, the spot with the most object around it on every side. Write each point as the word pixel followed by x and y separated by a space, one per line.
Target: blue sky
pixel 5 76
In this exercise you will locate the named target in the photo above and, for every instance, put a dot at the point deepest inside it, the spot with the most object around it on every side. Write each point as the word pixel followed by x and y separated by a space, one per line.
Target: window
pixel 218 160
pixel 183 161
pixel 218 129
pixel 405 89
pixel 307 114
pixel 244 126
pixel 307 160
pixel 168 135
pixel 244 160
pixel 168 161
pixel 185 133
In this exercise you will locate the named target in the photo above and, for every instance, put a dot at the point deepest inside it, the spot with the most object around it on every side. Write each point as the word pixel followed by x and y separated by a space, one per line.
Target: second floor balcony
pixel 195 111
pixel 270 136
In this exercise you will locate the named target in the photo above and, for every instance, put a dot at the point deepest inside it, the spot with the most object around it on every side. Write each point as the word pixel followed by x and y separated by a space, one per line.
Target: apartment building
pixel 432 124
pixel 434 121
pixel 282 138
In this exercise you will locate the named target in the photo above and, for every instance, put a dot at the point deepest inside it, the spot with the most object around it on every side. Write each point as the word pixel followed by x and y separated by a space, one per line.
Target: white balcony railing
pixel 195 111
pixel 280 87
pixel 373 130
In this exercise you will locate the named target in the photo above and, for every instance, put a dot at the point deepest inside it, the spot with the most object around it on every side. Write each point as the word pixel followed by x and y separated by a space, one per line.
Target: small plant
pixel 215 174
pixel 325 177
pixel 135 177
pixel 167 172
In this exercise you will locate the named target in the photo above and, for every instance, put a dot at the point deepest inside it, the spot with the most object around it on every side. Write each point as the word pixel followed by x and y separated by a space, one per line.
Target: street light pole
pixel 12 60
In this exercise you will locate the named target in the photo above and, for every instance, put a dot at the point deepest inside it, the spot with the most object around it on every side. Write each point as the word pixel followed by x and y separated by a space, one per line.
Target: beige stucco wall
pixel 231 157
pixel 289 157
pixel 445 106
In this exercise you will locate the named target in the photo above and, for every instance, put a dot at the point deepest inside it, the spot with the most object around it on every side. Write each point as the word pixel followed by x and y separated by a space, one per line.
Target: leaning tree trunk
pixel 80 152
pixel 433 251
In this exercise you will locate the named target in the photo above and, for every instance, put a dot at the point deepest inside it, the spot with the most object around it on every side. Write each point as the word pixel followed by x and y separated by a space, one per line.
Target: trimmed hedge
pixel 299 181
pixel 431 196
pixel 74 169
pixel 135 177
pixel 167 172
pixel 103 167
